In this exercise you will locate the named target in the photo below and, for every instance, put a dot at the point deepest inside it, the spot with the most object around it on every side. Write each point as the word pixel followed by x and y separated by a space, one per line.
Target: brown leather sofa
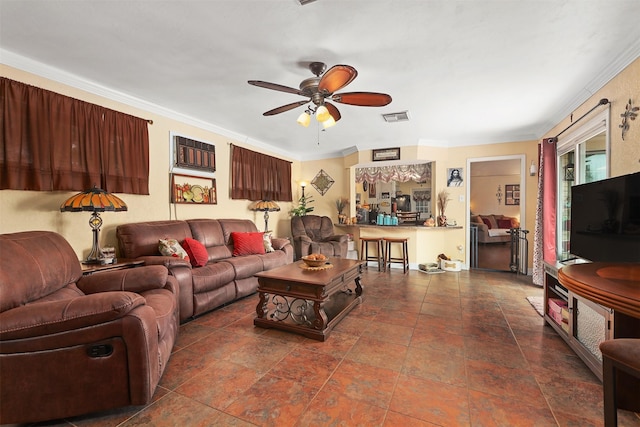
pixel 73 344
pixel 314 234
pixel 225 278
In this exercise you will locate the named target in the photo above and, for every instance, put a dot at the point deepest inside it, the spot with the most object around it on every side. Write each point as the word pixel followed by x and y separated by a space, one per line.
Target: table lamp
pixel 94 200
pixel 265 206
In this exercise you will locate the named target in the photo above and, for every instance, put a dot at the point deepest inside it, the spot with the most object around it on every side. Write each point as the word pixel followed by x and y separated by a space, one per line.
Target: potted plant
pixel 341 203
pixel 302 209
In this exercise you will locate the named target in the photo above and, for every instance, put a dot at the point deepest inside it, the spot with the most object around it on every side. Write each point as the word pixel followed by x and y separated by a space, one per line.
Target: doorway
pixel 496 195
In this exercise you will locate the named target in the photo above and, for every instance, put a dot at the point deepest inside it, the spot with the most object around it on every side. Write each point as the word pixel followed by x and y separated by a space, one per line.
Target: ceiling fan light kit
pixel 318 89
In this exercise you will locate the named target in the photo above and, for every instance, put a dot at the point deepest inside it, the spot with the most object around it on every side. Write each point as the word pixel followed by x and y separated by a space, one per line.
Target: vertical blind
pixel 52 142
pixel 256 176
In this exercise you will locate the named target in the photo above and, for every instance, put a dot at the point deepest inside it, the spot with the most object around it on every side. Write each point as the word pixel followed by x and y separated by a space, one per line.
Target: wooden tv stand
pixel 602 302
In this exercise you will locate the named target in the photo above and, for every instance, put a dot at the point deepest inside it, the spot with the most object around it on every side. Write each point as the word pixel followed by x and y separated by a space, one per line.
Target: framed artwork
pixel 386 154
pixel 512 194
pixel 372 191
pixel 192 154
pixel 454 177
pixel 193 190
pixel 322 182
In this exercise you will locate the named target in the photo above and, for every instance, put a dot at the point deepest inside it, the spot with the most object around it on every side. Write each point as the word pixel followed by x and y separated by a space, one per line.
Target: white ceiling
pixel 468 72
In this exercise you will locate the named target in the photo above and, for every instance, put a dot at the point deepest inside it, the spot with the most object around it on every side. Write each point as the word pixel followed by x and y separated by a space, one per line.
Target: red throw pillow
pixel 487 222
pixel 249 243
pixel 198 254
pixel 504 223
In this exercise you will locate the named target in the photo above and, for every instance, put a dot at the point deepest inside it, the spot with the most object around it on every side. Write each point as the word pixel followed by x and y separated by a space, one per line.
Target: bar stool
pixel 364 251
pixel 405 252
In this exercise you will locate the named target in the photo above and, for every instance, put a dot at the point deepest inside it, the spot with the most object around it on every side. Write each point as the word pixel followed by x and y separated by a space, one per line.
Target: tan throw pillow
pixel 266 240
pixel 171 247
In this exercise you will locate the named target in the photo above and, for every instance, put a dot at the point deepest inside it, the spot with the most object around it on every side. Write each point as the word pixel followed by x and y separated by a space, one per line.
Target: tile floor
pixel 451 349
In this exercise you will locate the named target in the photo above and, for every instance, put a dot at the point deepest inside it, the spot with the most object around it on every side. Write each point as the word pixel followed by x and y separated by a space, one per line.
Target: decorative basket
pixel 313 262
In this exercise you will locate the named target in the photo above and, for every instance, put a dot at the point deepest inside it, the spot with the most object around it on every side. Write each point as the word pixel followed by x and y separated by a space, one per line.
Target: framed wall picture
pixel 454 177
pixel 322 182
pixel 193 190
pixel 190 156
pixel 512 194
pixel 386 154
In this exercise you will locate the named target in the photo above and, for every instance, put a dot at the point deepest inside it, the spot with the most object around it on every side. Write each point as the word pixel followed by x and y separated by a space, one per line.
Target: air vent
pixel 402 116
pixel 303 2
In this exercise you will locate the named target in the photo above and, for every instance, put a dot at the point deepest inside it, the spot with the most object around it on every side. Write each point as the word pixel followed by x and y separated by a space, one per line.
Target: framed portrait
pixel 194 190
pixel 512 194
pixel 386 154
pixel 454 177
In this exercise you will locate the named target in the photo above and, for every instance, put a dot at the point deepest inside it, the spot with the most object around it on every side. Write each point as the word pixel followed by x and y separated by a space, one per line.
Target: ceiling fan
pixel 320 89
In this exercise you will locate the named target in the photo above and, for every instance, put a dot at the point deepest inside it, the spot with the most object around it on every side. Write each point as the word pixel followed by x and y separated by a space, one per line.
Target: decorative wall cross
pixel 629 114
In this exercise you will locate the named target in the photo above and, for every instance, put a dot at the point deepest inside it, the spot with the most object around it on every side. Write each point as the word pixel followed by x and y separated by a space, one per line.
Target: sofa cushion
pixel 250 243
pixel 246 266
pixel 504 223
pixel 486 221
pixel 141 239
pixel 212 276
pixel 171 247
pixel 273 259
pixel 197 252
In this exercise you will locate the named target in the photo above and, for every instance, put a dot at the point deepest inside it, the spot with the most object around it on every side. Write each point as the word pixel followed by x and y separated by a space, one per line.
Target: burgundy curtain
pixel 550 189
pixel 256 176
pixel 51 142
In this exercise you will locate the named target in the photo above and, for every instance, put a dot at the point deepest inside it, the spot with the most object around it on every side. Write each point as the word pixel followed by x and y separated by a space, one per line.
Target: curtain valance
pixel 52 142
pixel 400 173
pixel 256 176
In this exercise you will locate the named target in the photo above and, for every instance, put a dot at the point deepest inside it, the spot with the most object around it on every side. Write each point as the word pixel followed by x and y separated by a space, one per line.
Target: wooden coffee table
pixel 308 302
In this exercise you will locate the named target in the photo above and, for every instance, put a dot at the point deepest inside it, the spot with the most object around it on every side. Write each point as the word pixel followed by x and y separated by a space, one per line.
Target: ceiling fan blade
pixel 284 108
pixel 364 99
pixel 274 86
pixel 333 111
pixel 336 78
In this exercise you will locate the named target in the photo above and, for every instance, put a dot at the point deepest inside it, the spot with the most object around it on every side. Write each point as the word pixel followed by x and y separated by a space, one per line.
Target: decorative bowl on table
pixel 314 260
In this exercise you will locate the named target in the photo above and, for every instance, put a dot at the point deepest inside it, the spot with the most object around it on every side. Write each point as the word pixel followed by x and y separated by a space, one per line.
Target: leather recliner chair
pixel 314 234
pixel 73 344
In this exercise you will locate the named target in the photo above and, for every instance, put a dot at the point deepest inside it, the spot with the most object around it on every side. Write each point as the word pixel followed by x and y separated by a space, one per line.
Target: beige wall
pixel 625 155
pixel 25 210
pixel 30 210
pixel 483 195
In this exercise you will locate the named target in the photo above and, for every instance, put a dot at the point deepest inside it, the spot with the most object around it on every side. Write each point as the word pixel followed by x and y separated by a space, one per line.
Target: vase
pixel 442 221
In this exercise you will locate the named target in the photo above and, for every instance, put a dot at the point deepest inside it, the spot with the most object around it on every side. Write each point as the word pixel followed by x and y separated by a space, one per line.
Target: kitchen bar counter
pixel 424 243
pixel 386 227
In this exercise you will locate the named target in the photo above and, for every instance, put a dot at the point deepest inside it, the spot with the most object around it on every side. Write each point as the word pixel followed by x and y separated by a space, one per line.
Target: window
pixel 256 176
pixel 51 142
pixel 583 156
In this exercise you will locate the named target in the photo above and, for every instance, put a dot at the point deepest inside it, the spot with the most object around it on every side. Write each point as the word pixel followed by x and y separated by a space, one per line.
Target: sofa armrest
pixel 279 243
pixel 38 319
pixel 168 261
pixel 131 279
pixel 337 238
pixel 482 227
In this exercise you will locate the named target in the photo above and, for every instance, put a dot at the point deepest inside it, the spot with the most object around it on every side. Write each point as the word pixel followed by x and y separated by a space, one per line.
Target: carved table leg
pixel 321 319
pixel 261 308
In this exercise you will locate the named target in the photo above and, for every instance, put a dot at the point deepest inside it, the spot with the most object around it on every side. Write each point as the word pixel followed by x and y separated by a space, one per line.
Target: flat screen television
pixel 605 220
